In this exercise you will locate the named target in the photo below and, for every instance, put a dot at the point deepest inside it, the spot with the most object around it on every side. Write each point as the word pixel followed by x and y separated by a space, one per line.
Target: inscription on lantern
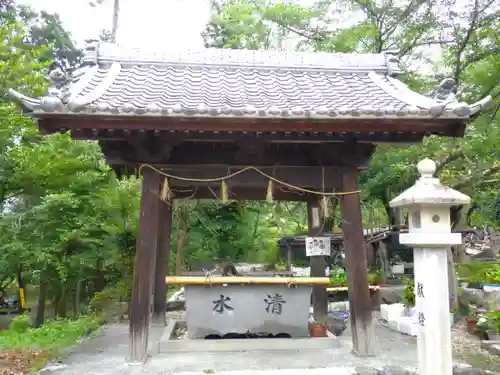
pixel 420 294
pixel 421 319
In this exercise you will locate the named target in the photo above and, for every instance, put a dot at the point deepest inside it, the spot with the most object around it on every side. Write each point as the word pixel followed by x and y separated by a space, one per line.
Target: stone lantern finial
pixel 426 168
pixel 428 190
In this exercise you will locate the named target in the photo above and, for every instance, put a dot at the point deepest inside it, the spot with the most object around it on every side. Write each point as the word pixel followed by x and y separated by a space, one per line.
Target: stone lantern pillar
pixel 428 203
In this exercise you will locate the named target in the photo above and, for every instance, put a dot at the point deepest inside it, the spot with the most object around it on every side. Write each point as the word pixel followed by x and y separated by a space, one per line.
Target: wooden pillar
pixel 317 263
pixel 162 257
pixel 144 270
pixel 357 280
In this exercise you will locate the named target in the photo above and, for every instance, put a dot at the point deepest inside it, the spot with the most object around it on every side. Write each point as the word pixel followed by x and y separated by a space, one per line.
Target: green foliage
pixel 101 299
pixel 469 42
pixel 484 271
pixel 493 275
pixel 338 277
pixel 112 303
pixel 52 335
pixel 409 293
pixel 244 231
pixel 376 277
pixel 20 324
pixel 494 318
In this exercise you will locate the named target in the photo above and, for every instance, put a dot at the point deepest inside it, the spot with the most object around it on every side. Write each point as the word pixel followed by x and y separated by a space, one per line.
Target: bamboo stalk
pixel 202 280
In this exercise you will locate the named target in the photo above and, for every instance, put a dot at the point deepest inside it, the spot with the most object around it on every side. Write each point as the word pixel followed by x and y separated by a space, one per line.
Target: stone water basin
pixel 254 306
pixel 220 310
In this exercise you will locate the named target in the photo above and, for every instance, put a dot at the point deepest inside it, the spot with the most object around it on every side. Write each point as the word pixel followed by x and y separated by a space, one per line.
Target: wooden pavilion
pixel 309 120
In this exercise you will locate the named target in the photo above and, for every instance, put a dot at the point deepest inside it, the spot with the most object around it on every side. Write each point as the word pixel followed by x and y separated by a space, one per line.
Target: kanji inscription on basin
pixel 222 304
pixel 274 304
pixel 254 308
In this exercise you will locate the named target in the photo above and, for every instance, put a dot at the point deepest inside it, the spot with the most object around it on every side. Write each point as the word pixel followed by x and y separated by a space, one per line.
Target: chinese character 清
pixel 274 304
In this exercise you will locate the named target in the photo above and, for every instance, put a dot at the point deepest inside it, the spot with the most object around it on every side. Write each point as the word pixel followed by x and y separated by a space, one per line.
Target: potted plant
pixel 409 297
pixel 494 323
pixel 482 327
pixel 338 279
pixel 319 327
pixel 374 278
pixel 471 319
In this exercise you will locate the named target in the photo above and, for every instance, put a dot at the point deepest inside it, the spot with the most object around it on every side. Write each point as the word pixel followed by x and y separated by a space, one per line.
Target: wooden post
pixel 357 280
pixel 144 270
pixel 317 263
pixel 162 258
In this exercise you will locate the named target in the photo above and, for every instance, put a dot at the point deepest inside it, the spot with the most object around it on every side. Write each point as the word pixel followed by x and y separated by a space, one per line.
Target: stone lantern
pixel 428 203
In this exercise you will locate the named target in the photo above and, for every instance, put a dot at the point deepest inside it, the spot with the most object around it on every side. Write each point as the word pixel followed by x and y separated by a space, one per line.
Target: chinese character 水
pixel 220 305
pixel 274 304
pixel 420 290
pixel 421 319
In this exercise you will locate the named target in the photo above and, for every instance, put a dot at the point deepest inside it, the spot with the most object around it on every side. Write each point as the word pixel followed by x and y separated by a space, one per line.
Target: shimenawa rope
pixel 166 193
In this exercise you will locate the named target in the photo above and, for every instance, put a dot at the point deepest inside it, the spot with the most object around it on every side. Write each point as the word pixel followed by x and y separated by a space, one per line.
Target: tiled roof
pixel 238 83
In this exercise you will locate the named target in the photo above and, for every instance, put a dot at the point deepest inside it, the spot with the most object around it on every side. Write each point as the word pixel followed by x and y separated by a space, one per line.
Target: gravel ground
pixel 467 348
pixel 105 355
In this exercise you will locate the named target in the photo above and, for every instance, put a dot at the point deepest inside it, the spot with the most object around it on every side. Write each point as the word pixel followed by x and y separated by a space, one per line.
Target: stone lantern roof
pixel 428 190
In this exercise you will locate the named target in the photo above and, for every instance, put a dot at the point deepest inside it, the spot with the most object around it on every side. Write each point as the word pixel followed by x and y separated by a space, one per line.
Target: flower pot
pixel 471 324
pixel 318 330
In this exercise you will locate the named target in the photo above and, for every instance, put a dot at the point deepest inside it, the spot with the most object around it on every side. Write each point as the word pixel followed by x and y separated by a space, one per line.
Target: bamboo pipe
pixel 202 280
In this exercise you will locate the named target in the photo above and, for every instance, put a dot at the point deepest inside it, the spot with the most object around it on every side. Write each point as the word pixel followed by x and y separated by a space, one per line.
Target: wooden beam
pixel 354 245
pixel 333 154
pixel 144 268
pixel 316 178
pixel 247 136
pixel 449 127
pixel 162 258
pixel 315 221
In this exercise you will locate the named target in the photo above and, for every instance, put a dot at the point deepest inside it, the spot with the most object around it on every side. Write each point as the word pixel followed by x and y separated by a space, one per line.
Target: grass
pixel 482 359
pixel 23 348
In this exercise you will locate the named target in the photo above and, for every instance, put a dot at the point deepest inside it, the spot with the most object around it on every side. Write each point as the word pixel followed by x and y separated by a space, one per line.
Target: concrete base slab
pixel 169 344
pixel 493 346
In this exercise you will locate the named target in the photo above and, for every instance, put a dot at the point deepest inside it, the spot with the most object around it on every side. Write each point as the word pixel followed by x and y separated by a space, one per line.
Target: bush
pixel 20 324
pixel 485 271
pixel 111 303
pixel 52 335
pixel 409 293
pixel 338 277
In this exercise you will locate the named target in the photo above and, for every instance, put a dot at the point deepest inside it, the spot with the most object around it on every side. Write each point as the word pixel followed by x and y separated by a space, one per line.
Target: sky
pixel 142 22
pixel 150 24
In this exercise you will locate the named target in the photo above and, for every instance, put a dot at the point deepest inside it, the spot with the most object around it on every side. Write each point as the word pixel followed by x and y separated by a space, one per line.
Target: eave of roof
pixel 114 70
